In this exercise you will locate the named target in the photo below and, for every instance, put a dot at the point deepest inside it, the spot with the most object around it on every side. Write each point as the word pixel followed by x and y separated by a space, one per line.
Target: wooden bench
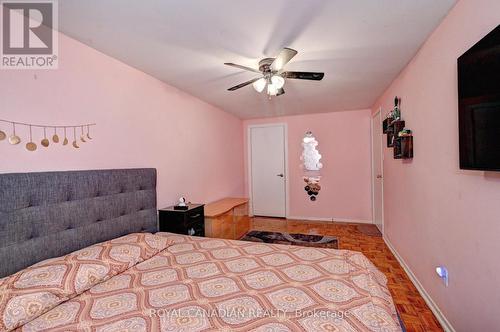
pixel 227 218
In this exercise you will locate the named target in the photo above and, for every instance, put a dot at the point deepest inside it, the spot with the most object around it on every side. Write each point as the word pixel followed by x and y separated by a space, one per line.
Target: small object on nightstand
pixel 190 221
pixel 182 204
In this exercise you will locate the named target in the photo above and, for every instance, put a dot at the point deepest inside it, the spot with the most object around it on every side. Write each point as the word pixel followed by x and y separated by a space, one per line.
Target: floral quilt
pixel 170 282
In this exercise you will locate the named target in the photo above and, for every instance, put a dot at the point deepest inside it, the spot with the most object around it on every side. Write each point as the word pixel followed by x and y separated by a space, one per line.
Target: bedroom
pixel 142 90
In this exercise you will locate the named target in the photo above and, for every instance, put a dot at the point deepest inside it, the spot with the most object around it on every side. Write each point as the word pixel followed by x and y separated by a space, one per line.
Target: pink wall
pixel 141 122
pixel 344 142
pixel 436 213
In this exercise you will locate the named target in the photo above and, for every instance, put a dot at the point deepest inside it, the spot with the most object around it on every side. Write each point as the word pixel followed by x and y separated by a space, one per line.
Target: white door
pixel 377 172
pixel 267 170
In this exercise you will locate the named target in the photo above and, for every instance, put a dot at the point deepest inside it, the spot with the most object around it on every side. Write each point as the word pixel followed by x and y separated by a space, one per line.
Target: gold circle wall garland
pixel 14 139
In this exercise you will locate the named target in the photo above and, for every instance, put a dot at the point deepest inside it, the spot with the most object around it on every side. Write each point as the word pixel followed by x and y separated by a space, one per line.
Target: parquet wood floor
pixel 412 308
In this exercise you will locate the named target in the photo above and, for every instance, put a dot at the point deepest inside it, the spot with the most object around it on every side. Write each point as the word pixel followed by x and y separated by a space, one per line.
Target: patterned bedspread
pixel 204 284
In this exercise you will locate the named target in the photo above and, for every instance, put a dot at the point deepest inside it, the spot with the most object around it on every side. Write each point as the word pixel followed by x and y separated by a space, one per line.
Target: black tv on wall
pixel 479 104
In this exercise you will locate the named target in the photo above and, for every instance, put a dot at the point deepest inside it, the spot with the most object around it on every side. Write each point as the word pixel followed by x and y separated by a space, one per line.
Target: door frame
pixel 249 164
pixel 377 114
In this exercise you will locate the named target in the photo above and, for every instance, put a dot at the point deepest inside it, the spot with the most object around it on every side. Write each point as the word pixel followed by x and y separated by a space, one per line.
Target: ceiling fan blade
pixel 282 59
pixel 242 67
pixel 303 75
pixel 280 92
pixel 236 87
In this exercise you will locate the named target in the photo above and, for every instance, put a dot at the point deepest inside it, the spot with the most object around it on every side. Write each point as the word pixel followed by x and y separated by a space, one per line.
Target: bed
pixel 80 251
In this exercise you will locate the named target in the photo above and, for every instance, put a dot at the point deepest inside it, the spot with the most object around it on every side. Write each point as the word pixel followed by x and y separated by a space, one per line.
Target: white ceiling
pixel 361 45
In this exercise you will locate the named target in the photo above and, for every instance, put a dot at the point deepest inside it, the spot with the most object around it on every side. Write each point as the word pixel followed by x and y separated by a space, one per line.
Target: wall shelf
pixel 403 147
pixel 393 128
pixel 385 124
pixel 407 147
pixel 402 144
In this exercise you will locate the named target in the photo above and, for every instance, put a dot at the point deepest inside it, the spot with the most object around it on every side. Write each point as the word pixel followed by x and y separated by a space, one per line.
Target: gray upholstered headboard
pixel 44 215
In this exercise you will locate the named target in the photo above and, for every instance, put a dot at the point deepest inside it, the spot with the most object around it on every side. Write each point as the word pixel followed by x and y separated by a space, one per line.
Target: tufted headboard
pixel 49 214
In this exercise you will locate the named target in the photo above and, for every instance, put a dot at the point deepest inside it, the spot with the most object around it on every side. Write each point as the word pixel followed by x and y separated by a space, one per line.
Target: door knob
pixel 280 175
pixel 379 176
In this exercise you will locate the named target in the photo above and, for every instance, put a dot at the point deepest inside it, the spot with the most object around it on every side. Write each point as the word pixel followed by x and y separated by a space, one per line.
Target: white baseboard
pixel 332 219
pixel 358 221
pixel 432 305
pixel 309 218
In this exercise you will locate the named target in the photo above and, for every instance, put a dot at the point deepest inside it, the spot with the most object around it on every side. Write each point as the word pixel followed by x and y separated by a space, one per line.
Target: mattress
pixel 170 282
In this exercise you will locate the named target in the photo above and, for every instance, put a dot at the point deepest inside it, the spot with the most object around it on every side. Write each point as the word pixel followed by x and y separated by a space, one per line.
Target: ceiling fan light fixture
pixel 278 81
pixel 260 84
pixel 273 77
pixel 272 90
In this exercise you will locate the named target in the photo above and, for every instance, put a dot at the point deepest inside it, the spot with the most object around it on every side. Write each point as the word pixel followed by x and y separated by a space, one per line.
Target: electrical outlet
pixel 442 272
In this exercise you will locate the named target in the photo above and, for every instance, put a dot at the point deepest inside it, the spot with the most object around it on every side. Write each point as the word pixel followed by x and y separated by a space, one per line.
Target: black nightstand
pixel 187 222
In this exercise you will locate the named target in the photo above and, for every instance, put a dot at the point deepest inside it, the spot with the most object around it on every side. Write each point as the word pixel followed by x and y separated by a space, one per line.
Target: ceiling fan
pixel 272 74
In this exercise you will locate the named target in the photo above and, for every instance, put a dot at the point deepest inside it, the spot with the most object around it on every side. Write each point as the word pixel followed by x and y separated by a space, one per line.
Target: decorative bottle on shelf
pixel 396 112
